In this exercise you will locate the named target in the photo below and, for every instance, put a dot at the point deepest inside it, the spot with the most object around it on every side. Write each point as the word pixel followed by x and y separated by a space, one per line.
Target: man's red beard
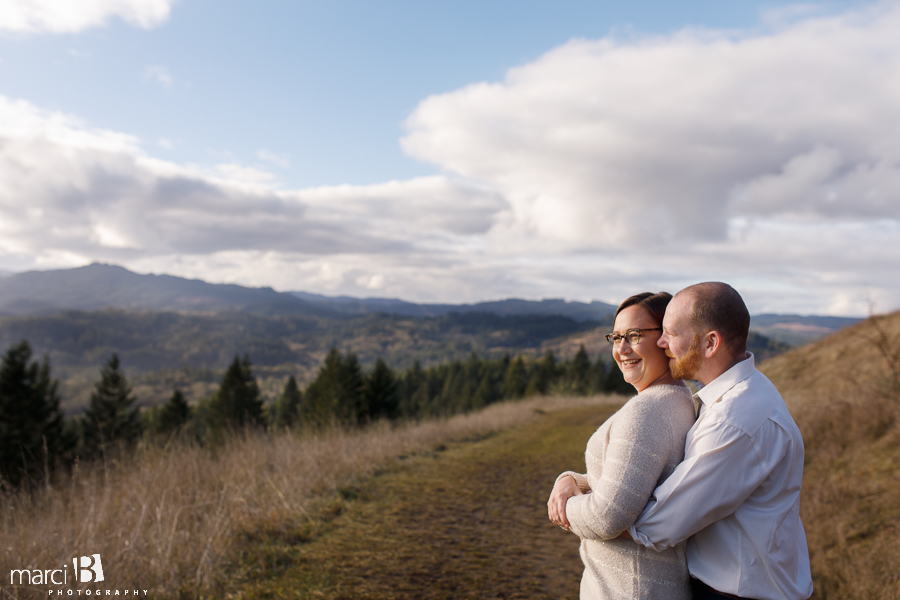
pixel 687 366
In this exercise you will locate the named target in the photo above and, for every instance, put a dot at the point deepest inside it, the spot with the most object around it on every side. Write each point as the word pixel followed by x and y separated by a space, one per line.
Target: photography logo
pixel 88 569
pixel 91 569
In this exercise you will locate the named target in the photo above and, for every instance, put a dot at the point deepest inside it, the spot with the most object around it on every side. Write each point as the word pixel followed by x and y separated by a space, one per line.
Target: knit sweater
pixel 627 457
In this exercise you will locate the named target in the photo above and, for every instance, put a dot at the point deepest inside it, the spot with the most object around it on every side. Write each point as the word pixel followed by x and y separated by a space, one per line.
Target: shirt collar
pixel 716 388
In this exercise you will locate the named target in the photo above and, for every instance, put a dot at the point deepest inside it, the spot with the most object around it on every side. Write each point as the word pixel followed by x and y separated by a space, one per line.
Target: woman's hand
pixel 564 489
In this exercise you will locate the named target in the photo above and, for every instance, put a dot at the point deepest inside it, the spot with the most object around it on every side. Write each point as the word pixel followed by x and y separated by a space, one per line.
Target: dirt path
pixel 468 521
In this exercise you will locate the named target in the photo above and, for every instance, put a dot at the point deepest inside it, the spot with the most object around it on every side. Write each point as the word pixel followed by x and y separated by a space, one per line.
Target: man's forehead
pixel 678 309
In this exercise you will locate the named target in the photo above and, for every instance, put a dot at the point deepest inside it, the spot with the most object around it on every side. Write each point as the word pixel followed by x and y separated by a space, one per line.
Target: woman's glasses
pixel 632 336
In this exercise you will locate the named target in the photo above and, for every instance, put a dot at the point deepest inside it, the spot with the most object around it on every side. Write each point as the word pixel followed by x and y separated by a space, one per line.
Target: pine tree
pixel 287 407
pixel 174 413
pixel 30 419
pixel 598 376
pixel 381 392
pixel 516 379
pixel 616 384
pixel 413 392
pixel 579 372
pixel 336 393
pixel 111 418
pixel 238 402
pixel 543 376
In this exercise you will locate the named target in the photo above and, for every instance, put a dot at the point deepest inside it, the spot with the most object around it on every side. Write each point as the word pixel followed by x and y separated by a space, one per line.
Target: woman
pixel 627 457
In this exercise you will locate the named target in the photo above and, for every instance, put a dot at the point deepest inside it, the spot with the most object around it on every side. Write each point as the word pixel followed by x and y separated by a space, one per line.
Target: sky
pixel 460 151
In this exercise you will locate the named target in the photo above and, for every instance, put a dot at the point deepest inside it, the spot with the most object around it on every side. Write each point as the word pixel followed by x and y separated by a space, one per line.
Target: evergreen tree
pixel 616 384
pixel 30 419
pixel 111 417
pixel 598 376
pixel 337 392
pixel 543 375
pixel 238 402
pixel 381 392
pixel 580 371
pixel 516 379
pixel 174 413
pixel 485 394
pixel 352 407
pixel 414 392
pixel 287 407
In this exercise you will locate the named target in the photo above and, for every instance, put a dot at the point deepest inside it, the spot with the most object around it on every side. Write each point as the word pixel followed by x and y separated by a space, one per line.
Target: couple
pixel 672 507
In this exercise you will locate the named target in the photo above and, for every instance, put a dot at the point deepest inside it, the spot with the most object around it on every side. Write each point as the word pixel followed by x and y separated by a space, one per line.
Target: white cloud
pixel 96 194
pixel 70 16
pixel 768 159
pixel 599 137
pixel 279 160
pixel 159 75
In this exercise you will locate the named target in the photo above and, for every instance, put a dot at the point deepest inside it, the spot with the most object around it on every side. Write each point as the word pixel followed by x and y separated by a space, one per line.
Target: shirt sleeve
pixel 722 467
pixel 639 447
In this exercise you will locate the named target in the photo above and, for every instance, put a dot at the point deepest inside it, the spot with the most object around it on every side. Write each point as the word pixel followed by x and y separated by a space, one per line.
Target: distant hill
pixel 580 311
pixel 202 345
pixel 100 286
pixel 796 330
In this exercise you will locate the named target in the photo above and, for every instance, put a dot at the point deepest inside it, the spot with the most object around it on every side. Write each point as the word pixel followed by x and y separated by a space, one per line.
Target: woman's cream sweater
pixel 627 457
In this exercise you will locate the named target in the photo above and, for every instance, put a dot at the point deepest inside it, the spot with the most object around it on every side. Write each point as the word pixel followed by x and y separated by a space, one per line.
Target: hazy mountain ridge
pixel 580 311
pixel 797 330
pixel 99 286
pixel 170 331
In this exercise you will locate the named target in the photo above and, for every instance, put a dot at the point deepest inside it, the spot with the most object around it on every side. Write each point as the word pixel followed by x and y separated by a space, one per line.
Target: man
pixel 736 496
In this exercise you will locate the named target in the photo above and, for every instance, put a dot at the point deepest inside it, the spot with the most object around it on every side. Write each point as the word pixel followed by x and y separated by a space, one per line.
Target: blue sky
pixel 325 87
pixel 458 151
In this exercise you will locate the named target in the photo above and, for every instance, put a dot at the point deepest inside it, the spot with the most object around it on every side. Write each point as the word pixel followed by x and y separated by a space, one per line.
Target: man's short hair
pixel 717 306
pixel 654 304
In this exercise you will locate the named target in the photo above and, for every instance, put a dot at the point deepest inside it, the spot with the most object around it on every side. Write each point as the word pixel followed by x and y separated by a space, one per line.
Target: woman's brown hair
pixel 654 304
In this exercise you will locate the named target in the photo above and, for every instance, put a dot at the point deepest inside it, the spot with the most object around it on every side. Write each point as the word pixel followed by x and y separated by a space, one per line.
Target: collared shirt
pixel 737 492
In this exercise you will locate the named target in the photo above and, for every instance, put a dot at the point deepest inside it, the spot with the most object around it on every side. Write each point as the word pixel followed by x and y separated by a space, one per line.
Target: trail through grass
pixel 464 521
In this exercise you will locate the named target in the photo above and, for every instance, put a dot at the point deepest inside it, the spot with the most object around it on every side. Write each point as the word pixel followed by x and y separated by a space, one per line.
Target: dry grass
pixel 469 521
pixel 172 520
pixel 843 392
pixel 165 519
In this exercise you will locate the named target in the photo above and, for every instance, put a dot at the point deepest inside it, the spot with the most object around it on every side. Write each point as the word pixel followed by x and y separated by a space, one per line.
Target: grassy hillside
pixel 843 391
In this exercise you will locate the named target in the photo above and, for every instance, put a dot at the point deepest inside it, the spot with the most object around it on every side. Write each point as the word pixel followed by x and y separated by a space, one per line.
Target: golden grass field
pixel 451 508
pixel 170 519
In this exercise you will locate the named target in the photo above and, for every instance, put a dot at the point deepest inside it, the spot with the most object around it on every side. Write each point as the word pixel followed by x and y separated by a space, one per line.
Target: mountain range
pixel 99 286
pixel 175 332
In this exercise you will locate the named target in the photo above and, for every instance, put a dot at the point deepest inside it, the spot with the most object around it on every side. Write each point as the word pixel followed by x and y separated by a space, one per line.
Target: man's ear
pixel 712 344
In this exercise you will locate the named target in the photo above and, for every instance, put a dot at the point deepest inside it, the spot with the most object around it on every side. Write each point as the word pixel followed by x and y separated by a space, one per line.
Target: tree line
pixel 35 437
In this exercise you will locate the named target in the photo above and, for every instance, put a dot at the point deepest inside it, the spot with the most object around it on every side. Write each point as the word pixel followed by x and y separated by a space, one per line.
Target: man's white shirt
pixel 736 496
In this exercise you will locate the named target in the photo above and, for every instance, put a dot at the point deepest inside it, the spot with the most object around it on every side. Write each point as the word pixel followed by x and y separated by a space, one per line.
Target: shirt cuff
pixel 643 540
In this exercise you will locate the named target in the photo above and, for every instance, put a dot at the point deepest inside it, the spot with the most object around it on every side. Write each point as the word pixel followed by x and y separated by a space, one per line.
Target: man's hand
pixel 564 489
